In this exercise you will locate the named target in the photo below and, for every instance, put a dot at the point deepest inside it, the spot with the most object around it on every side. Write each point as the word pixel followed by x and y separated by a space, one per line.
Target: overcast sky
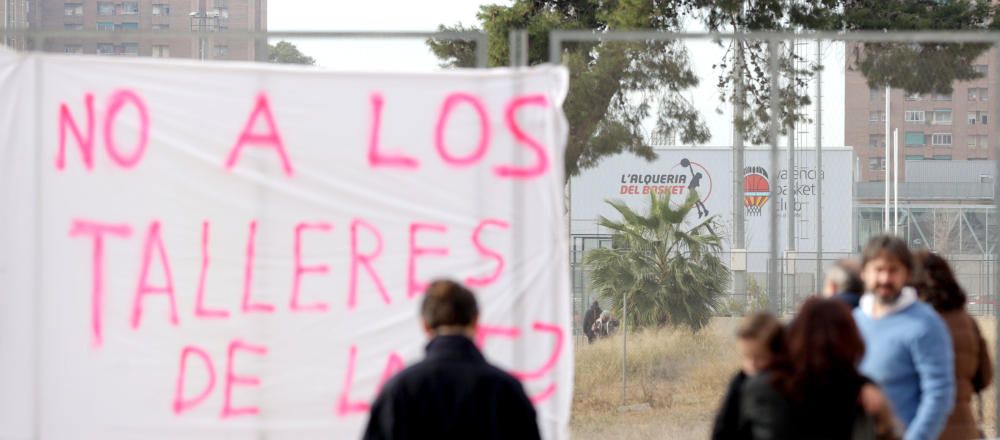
pixel 413 55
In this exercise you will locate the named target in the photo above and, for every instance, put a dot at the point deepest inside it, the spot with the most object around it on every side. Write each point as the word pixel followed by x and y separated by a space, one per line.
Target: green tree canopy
pixel 616 87
pixel 286 53
pixel 669 271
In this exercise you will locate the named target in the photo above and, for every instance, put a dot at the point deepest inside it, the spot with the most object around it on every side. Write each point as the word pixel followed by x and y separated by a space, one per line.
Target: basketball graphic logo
pixel 756 189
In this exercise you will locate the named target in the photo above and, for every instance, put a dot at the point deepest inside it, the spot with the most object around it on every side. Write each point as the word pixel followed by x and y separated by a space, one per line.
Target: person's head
pixel 761 340
pixel 843 276
pixel 886 267
pixel 595 306
pixel 936 283
pixel 823 344
pixel 449 308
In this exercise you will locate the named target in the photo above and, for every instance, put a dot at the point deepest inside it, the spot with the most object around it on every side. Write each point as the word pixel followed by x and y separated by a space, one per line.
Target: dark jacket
pixel 850 298
pixel 727 424
pixel 829 412
pixel 452 394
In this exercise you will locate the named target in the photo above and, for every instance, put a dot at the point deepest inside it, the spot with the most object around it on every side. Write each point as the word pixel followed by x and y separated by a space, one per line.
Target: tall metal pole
pixel 996 203
pixel 772 272
pixel 895 182
pixel 819 167
pixel 624 343
pixel 790 196
pixel 739 211
pixel 885 163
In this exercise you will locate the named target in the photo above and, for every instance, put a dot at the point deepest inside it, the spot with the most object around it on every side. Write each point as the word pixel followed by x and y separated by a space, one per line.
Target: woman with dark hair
pixel 936 284
pixel 819 394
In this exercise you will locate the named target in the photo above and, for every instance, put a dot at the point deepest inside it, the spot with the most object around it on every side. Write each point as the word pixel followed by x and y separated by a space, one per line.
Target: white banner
pixel 204 250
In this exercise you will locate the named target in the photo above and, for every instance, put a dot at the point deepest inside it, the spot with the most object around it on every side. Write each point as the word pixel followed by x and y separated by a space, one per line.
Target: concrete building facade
pixel 152 16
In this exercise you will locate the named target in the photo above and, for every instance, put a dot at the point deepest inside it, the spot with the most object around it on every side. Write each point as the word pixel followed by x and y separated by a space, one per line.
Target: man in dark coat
pixel 592 314
pixel 453 393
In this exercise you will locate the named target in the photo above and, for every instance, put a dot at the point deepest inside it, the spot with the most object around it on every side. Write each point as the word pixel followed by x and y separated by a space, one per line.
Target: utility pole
pixel 819 167
pixel 739 244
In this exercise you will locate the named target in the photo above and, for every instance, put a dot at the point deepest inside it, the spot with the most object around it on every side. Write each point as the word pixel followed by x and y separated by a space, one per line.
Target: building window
pixel 876 141
pixel 105 26
pixel 983 93
pixel 914 157
pixel 876 163
pixel 72 48
pixel 941 139
pixel 942 116
pixel 105 9
pixel 978 117
pixel 942 96
pixel 977 94
pixel 130 49
pixel 161 27
pixel 976 141
pixel 914 139
pixel 942 157
pixel 981 68
pixel 915 116
pixel 105 49
pixel 876 116
pixel 161 9
pixel 130 8
pixel 73 26
pixel 161 51
pixel 127 26
pixel 913 97
pixel 874 94
pixel 221 51
pixel 73 9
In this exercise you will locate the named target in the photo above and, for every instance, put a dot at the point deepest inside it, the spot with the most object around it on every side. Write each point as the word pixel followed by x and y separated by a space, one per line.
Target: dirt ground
pixel 675 381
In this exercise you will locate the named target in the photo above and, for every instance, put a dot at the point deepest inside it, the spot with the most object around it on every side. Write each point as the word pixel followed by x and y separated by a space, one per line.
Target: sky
pixel 412 54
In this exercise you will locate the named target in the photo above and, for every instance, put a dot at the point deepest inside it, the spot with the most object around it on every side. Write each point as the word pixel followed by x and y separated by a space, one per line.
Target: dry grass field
pixel 676 379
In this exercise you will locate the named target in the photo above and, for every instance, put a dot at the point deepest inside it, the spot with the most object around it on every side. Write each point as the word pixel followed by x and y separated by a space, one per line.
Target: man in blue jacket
pixel 908 348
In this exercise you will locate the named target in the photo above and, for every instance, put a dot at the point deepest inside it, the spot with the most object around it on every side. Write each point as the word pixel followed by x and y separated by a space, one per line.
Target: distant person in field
pixel 588 321
pixel 760 339
pixel 936 284
pixel 909 350
pixel 605 326
pixel 843 282
pixel 453 393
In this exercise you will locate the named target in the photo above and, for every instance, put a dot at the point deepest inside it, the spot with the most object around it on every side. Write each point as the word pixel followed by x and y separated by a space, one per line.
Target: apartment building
pixel 953 127
pixel 115 16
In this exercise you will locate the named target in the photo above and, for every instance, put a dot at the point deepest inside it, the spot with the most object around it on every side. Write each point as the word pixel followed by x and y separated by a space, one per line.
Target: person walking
pixel 910 354
pixel 453 393
pixel 819 394
pixel 935 283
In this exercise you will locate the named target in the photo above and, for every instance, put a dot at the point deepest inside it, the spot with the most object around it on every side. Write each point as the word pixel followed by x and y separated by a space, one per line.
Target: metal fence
pixel 954 217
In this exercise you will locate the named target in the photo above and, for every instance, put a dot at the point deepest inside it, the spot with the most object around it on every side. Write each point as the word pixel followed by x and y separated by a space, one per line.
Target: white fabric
pixel 907 296
pixel 59 381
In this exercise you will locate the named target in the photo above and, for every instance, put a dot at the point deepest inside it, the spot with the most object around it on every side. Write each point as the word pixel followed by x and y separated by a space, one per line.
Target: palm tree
pixel 670 272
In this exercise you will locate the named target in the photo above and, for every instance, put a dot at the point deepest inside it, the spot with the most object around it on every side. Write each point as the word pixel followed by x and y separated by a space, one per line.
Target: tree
pixel 286 53
pixel 614 87
pixel 670 272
